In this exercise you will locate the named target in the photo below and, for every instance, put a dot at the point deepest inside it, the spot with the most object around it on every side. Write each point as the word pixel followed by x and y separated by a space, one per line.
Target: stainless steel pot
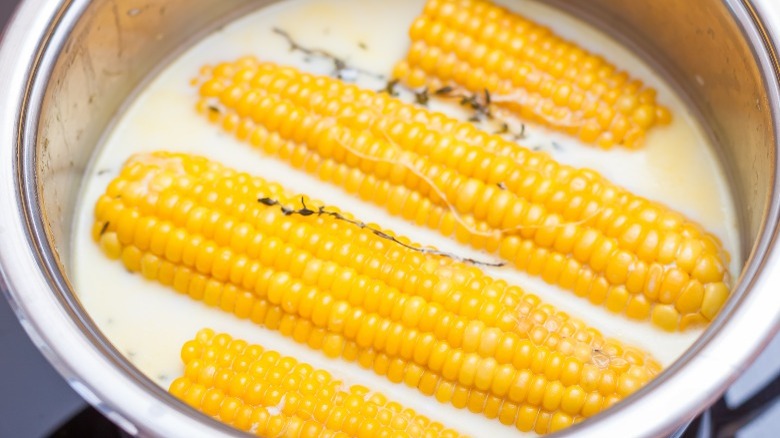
pixel 68 65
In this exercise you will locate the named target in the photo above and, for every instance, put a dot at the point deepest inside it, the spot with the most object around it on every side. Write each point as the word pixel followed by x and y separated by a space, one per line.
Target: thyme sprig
pixel 322 211
pixel 343 70
pixel 481 105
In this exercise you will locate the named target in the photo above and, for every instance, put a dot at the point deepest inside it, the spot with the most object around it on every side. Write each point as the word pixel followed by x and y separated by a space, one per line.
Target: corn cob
pixel 426 320
pixel 529 70
pixel 260 391
pixel 570 226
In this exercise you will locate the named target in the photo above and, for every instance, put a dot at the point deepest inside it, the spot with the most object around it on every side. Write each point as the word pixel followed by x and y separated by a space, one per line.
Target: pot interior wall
pixel 114 45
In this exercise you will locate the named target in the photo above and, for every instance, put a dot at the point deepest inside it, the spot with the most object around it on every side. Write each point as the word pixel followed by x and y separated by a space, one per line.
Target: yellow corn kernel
pixel 714 297
pixel 665 316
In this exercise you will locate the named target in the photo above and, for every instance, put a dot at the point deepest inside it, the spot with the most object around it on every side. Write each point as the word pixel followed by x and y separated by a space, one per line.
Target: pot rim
pixel 38 293
pixel 30 277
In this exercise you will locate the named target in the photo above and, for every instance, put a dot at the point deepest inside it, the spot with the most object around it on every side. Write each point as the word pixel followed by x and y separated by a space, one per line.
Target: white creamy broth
pixel 148 322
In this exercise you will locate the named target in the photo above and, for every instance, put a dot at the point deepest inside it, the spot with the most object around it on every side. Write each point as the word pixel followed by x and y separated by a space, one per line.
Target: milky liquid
pixel 149 322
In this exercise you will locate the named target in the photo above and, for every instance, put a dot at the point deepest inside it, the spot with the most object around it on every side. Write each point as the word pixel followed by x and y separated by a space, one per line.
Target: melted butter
pixel 148 322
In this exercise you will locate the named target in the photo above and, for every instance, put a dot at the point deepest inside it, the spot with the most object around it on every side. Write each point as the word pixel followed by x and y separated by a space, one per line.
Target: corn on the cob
pixel 426 320
pixel 263 392
pixel 529 70
pixel 570 226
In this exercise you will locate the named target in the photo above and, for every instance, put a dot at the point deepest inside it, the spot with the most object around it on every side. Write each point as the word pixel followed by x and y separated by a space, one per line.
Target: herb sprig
pixel 322 211
pixel 481 103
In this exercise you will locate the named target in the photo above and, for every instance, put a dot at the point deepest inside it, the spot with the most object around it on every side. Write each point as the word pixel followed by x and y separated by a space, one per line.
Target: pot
pixel 69 65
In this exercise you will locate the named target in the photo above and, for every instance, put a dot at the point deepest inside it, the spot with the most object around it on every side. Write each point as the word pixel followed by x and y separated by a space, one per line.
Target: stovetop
pixel 749 408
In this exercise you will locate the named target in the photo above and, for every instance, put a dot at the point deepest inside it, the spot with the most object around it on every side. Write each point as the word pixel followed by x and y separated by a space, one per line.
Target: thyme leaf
pixel 444 90
pixel 479 103
pixel 391 88
pixel 504 129
pixel 422 97
pixel 521 134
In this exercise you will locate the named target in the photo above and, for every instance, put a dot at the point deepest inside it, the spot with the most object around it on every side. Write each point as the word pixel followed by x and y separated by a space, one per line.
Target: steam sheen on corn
pixel 355 291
